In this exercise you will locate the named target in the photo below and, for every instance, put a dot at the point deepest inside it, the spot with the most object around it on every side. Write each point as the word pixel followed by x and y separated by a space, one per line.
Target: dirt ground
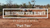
pixel 10 23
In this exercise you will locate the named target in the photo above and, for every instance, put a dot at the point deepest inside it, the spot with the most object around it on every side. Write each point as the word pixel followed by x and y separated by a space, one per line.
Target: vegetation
pixel 24 5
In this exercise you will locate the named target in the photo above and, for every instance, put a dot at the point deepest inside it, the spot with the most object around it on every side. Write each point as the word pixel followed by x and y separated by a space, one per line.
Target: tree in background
pixel 48 5
pixel 9 3
pixel 24 5
pixel 33 1
pixel 29 6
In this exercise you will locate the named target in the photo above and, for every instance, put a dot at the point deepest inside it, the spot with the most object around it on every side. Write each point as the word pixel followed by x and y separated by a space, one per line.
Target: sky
pixel 38 2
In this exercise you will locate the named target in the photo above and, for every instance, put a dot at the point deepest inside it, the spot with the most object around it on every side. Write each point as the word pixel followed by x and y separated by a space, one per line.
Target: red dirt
pixel 9 23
